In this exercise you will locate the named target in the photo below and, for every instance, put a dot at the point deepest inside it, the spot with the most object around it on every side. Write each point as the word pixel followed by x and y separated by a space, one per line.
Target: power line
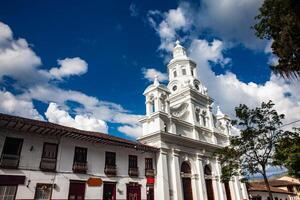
pixel 290 123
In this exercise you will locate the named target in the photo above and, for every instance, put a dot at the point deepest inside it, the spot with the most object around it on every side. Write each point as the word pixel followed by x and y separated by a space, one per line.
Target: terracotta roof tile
pixel 101 137
pixel 259 186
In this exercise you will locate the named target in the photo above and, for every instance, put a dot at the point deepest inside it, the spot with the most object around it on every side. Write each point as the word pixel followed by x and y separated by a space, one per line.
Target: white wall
pixel 30 161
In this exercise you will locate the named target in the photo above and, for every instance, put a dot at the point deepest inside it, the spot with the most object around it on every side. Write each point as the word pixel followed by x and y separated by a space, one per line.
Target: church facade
pixel 179 122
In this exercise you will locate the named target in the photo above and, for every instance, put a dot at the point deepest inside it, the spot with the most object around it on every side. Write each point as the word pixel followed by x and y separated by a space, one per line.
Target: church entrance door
pixel 186 181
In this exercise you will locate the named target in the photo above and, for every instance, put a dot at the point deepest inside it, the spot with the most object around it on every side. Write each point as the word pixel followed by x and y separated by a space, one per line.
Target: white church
pixel 172 160
pixel 179 121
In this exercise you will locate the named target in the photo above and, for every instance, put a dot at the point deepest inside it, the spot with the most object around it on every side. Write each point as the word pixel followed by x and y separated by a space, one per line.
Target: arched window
pixel 186 181
pixel 183 71
pixel 208 183
pixel 152 106
pixel 197 114
pixel 175 73
pixel 203 116
pixel 185 168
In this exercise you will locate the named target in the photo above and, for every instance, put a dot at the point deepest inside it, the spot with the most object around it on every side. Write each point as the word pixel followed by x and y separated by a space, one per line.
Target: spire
pixel 219 112
pixel 156 82
pixel 178 51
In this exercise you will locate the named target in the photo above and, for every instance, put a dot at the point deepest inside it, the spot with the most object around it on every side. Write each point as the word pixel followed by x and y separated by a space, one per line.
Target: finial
pixel 219 112
pixel 177 42
pixel 156 82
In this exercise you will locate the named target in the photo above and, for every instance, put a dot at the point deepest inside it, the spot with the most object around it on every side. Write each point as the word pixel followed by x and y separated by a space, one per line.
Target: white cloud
pixel 272 60
pixel 69 67
pixel 12 104
pixel 231 20
pixel 173 20
pixel 17 59
pixel 83 122
pixel 5 33
pixel 150 74
pixel 133 131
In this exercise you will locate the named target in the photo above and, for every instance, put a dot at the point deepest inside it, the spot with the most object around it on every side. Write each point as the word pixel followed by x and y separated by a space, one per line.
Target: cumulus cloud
pixel 231 20
pixel 229 91
pixel 151 73
pixel 135 131
pixel 17 59
pixel 69 67
pixel 19 62
pixel 12 104
pixel 171 21
pixel 83 122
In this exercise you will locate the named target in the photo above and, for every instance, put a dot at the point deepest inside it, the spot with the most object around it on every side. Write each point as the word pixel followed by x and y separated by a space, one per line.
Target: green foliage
pixel 288 153
pixel 253 150
pixel 279 20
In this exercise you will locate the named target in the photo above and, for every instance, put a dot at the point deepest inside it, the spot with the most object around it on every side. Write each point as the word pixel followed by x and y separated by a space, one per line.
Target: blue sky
pixel 117 47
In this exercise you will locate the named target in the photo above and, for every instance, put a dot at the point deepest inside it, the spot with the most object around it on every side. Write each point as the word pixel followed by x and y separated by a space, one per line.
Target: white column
pixel 237 188
pixel 221 188
pixel 201 181
pixel 244 191
pixel 177 185
pixel 162 181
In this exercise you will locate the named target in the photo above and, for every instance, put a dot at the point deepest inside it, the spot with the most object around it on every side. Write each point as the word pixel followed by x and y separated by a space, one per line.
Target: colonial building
pixel 259 191
pixel 41 160
pixel 180 122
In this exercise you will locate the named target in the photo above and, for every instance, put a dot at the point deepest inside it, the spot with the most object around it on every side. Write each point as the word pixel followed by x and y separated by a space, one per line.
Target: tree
pixel 287 153
pixel 279 20
pixel 253 150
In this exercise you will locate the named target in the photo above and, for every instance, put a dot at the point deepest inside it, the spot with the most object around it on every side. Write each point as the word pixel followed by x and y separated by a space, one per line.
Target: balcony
pixel 9 161
pixel 48 164
pixel 80 167
pixel 134 172
pixel 149 172
pixel 110 170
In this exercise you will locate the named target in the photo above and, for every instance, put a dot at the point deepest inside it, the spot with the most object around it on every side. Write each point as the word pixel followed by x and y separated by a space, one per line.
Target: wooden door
pixel 133 192
pixel 187 188
pixel 76 190
pixel 227 190
pixel 109 191
pixel 150 193
pixel 209 189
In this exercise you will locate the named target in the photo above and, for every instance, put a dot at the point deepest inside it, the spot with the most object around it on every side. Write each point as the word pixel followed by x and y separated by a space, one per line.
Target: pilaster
pixel 162 185
pixel 177 185
pixel 200 181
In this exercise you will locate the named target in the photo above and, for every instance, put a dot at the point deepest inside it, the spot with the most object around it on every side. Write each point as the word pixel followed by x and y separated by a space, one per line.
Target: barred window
pixel 110 158
pixel 8 192
pixel 132 161
pixel 42 191
pixel 148 163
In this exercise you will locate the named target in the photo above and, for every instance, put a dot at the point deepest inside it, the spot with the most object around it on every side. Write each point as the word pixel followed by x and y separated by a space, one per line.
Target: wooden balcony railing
pixel 149 172
pixel 80 167
pixel 9 161
pixel 48 164
pixel 133 172
pixel 110 170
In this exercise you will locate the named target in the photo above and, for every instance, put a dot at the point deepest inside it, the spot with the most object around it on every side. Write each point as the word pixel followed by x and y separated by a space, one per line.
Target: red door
pixel 133 192
pixel 109 191
pixel 76 190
